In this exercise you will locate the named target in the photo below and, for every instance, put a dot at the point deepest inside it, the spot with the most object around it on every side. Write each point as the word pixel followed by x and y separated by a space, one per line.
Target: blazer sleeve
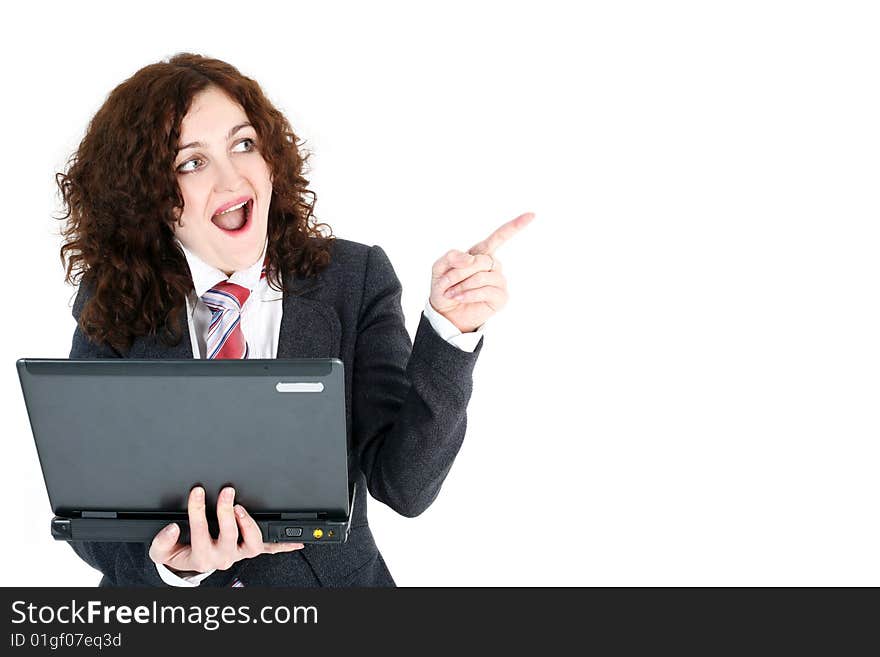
pixel 123 564
pixel 409 398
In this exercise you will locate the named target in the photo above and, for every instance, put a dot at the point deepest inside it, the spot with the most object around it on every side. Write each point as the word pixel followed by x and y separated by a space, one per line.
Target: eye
pixel 186 168
pixel 251 145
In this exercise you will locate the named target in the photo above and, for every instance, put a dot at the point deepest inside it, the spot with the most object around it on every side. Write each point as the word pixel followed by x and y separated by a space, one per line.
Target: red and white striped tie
pixel 225 338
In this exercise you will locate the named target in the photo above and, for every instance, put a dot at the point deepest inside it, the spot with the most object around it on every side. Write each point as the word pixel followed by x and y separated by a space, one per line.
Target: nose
pixel 228 178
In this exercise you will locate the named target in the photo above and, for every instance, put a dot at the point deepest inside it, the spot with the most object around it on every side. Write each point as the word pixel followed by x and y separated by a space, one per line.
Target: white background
pixel 683 388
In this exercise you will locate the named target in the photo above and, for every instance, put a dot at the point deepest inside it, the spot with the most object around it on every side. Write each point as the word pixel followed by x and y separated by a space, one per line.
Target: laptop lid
pixel 133 436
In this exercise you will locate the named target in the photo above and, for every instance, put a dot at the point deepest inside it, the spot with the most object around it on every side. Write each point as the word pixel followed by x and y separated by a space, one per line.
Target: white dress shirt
pixel 261 325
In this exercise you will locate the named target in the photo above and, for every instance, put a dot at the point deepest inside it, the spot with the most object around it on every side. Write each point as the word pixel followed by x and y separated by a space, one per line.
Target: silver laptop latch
pixel 301 386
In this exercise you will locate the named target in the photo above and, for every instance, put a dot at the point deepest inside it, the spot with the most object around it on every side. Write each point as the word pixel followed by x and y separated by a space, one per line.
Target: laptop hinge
pixel 99 514
pixel 299 516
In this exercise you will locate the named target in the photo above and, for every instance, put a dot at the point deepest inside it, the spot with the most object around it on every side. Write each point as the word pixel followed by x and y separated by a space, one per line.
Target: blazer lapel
pixel 310 328
pixel 152 346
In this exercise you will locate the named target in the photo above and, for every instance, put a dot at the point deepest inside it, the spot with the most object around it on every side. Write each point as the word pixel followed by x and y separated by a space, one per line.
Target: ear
pixel 176 214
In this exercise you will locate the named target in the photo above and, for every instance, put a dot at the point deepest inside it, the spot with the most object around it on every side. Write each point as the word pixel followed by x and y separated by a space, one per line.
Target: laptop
pixel 121 442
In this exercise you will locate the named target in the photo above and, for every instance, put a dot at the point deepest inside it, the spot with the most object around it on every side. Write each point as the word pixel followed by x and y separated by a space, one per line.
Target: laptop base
pixel 143 530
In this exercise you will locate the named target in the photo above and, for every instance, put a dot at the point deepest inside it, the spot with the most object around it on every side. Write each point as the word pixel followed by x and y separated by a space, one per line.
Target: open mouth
pixel 236 218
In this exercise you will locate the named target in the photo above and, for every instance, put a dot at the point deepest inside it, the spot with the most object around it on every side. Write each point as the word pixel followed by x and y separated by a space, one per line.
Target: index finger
pixel 502 234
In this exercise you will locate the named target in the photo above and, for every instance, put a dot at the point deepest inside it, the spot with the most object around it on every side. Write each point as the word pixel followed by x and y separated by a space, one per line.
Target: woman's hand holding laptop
pixel 204 553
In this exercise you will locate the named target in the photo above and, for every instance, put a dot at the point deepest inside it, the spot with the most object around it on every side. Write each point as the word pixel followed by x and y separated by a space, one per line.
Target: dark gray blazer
pixel 405 412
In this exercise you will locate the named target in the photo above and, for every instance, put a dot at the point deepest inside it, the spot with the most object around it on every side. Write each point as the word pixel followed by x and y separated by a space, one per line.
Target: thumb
pixel 164 542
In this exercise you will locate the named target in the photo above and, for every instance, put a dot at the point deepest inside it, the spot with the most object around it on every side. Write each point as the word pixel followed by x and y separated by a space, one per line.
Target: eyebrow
pixel 198 144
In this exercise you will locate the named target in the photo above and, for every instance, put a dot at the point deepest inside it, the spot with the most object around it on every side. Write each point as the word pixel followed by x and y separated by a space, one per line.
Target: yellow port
pixel 318 533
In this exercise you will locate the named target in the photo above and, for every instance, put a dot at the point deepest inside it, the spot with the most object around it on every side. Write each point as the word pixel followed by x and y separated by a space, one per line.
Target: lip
pixel 226 206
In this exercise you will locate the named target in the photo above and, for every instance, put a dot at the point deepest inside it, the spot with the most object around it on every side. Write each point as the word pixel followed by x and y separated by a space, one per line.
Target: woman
pixel 187 188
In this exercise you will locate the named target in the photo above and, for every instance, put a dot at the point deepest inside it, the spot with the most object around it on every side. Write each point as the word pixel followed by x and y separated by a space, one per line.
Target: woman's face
pixel 225 183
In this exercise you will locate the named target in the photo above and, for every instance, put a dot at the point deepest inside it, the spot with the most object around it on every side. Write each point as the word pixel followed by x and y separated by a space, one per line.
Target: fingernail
pixel 170 528
pixel 239 510
pixel 199 493
pixel 229 493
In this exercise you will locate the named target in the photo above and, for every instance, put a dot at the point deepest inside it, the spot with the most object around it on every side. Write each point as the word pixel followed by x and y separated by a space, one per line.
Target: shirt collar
pixel 206 276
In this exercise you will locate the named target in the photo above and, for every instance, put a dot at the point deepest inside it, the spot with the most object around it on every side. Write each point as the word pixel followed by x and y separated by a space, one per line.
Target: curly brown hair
pixel 121 197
